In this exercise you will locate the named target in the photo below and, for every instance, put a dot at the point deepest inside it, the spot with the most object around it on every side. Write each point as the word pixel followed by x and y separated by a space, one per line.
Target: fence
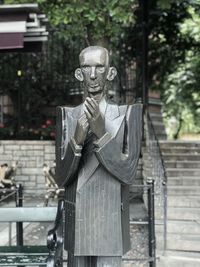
pixel 154 169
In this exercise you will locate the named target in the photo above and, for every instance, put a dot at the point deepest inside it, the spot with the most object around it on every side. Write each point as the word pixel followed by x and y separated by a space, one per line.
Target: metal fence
pixel 154 169
pixel 32 85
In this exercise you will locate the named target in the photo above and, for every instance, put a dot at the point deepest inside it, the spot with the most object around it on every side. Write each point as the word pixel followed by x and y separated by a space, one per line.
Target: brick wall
pixel 31 156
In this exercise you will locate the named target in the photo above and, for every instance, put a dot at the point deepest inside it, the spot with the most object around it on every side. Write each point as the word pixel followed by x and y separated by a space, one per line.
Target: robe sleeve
pixel 122 163
pixel 68 153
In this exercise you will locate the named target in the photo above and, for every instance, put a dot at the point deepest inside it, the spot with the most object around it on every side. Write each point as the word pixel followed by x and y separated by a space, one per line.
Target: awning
pixel 22 27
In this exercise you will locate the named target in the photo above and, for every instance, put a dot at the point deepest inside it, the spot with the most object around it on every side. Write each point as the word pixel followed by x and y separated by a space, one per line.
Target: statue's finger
pixel 90 109
pixel 90 103
pixel 88 115
pixel 94 102
pixel 86 124
pixel 83 116
pixel 82 119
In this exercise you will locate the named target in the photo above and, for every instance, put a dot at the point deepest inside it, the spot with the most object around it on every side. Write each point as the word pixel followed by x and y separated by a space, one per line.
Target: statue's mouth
pixel 94 89
pixel 95 93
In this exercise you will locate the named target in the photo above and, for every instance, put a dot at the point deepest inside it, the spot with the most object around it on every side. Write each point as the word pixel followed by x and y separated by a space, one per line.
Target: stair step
pixel 159 129
pixel 183 204
pixel 173 172
pixel 180 227
pixel 159 126
pixel 181 242
pixel 183 190
pixel 182 164
pixel 183 201
pixel 179 144
pixel 156 116
pixel 175 213
pixel 181 150
pixel 186 242
pixel 178 259
pixel 185 181
pixel 162 136
pixel 181 157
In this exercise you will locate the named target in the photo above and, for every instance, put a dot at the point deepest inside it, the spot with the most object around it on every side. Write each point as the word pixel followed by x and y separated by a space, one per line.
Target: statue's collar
pixel 110 111
pixel 103 105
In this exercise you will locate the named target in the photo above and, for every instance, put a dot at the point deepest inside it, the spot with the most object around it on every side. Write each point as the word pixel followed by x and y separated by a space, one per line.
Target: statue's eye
pixel 101 69
pixel 85 68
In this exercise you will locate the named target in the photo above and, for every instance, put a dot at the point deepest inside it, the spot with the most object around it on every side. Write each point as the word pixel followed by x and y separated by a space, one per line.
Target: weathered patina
pixel 97 151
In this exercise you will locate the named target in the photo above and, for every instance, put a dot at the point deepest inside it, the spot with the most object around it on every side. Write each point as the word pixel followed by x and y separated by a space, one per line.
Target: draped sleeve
pixel 122 163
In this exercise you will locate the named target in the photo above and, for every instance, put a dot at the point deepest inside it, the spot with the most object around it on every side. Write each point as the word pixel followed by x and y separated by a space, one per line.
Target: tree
pixel 181 92
pixel 80 23
pixel 95 22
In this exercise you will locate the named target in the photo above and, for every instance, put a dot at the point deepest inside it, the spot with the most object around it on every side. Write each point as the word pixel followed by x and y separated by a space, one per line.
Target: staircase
pixel 159 127
pixel 182 162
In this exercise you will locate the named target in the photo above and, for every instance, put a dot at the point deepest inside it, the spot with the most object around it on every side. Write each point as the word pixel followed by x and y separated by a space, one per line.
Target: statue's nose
pixel 93 73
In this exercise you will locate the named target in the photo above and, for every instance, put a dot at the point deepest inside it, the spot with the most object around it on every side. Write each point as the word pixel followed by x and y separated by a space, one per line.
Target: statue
pixel 97 151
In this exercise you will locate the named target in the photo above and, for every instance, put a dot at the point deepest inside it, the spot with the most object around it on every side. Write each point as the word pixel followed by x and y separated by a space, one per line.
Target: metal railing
pixel 148 199
pixel 17 194
pixel 155 169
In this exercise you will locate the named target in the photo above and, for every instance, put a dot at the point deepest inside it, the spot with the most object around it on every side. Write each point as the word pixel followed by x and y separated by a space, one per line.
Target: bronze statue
pixel 97 151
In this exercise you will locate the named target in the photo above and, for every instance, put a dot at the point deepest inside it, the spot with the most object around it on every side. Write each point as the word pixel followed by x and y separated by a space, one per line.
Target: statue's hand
pixel 81 130
pixel 95 119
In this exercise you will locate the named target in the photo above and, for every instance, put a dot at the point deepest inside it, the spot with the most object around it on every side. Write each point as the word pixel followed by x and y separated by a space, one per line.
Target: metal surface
pixel 28 214
pixel 19 224
pixel 17 26
pixel 55 239
pixel 17 23
pixel 23 260
pixel 97 151
pixel 151 226
pixel 21 7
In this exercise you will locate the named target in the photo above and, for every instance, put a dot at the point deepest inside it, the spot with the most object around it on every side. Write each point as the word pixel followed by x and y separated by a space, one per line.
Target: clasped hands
pixel 92 119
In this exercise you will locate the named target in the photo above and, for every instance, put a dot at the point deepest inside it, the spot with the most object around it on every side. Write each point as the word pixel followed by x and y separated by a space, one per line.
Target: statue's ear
pixel 79 74
pixel 111 73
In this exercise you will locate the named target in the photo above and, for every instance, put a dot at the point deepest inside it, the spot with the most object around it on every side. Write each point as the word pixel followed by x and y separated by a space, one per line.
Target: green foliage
pixel 92 21
pixel 190 28
pixel 182 96
pixel 173 57
pixel 181 87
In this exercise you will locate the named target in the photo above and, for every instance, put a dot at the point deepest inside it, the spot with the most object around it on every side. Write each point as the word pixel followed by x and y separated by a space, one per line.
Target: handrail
pixel 158 145
pixel 156 169
pixel 11 193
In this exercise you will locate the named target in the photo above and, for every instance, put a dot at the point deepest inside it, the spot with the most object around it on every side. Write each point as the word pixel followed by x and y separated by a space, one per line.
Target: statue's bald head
pixel 98 53
pixel 94 70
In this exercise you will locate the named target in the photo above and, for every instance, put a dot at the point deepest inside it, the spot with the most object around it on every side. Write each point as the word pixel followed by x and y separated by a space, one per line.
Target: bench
pixel 34 255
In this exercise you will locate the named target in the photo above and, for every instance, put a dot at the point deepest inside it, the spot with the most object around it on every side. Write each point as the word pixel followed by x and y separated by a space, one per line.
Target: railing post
pixel 151 224
pixel 165 218
pixel 19 225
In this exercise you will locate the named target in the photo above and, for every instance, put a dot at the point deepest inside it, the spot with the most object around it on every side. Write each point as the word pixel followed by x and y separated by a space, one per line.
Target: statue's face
pixel 94 71
pixel 94 68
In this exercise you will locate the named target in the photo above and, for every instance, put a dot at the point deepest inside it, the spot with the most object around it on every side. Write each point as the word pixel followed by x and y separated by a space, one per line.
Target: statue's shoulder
pixel 114 106
pixel 123 109
pixel 131 108
pixel 135 110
